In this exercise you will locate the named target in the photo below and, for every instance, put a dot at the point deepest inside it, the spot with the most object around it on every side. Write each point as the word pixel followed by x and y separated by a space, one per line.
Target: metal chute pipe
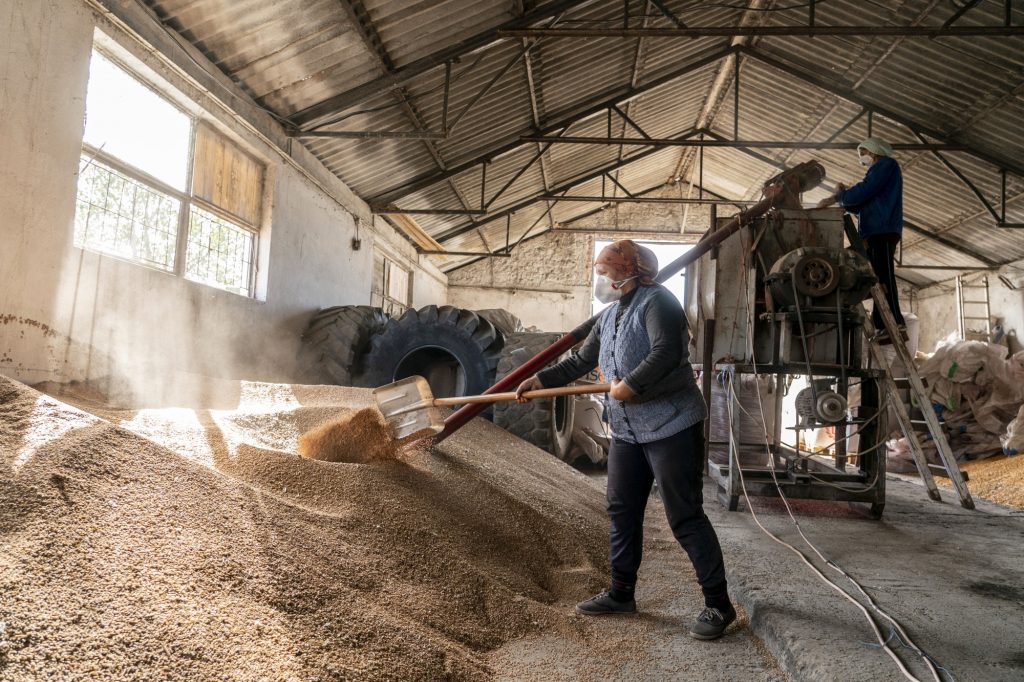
pixel 783 189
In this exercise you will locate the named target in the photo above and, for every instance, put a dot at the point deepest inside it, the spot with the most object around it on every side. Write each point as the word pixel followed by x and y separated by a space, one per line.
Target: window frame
pixel 185 197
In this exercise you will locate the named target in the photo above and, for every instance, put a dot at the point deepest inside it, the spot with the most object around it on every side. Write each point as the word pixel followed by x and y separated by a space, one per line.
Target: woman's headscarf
pixel 876 146
pixel 631 259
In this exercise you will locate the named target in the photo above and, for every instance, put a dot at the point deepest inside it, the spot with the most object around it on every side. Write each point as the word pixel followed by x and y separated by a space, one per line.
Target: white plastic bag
pixel 1013 439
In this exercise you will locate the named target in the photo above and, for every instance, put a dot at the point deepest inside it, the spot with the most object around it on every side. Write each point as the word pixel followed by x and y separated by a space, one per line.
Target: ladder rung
pixel 973 286
pixel 968 317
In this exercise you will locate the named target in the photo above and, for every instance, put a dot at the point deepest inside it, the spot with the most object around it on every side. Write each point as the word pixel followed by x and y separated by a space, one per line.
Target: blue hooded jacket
pixel 877 200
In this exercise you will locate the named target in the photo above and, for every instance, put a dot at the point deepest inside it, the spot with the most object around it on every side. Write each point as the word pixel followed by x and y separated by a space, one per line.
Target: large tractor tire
pixel 503 320
pixel 545 422
pixel 335 342
pixel 455 350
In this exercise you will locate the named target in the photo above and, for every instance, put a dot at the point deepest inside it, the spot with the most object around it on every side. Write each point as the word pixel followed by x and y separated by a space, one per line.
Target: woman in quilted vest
pixel 657 418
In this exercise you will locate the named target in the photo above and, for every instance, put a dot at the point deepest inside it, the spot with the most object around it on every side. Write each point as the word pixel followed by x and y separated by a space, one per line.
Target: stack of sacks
pixel 978 393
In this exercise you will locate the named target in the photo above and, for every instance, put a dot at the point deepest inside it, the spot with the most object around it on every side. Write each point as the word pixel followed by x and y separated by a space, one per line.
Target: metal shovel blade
pixel 408 407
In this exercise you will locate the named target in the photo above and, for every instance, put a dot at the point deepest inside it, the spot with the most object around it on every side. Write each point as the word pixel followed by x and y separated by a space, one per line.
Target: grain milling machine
pixel 773 308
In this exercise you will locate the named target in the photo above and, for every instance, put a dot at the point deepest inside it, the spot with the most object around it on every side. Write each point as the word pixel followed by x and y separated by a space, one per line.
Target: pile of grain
pixel 185 544
pixel 997 479
pixel 357 437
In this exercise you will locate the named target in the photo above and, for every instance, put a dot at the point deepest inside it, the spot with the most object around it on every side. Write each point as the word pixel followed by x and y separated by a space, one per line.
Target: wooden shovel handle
pixel 539 393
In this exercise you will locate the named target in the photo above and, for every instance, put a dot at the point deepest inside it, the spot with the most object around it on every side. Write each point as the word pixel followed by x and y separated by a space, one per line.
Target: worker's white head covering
pixel 876 145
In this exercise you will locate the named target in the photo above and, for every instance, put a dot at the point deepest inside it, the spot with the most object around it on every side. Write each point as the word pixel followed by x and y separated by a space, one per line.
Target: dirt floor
pixel 996 479
pixel 192 544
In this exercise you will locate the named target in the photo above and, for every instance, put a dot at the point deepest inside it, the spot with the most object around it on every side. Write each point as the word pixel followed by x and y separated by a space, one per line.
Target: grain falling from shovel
pixel 356 438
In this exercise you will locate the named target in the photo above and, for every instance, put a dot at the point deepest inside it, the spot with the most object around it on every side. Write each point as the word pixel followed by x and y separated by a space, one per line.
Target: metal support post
pixel 736 98
pixel 447 89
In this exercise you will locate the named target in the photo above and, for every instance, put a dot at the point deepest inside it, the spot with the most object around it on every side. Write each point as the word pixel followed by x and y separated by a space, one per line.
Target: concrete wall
pixel 548 280
pixel 936 306
pixel 69 314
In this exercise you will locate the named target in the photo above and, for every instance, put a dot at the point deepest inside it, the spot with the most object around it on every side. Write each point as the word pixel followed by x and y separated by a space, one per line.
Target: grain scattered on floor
pixel 996 479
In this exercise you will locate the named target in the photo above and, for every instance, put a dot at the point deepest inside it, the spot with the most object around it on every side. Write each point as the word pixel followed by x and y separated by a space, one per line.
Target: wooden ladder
pixel 968 312
pixel 917 389
pixel 920 393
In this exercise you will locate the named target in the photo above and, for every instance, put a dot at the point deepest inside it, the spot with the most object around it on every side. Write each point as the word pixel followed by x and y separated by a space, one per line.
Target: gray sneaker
pixel 711 623
pixel 602 604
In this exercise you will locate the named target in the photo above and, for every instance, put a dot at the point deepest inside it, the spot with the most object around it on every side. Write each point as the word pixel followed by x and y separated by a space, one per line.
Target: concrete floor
pixel 650 645
pixel 953 578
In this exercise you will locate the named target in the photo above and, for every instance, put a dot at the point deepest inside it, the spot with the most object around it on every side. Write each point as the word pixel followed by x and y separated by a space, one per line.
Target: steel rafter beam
pixel 490 254
pixel 583 111
pixel 753 144
pixel 949 243
pixel 521 54
pixel 751 16
pixel 996 216
pixel 768 31
pixel 360 19
pixel 634 79
pixel 958 268
pixel 564 187
pixel 428 211
pixel 526 236
pixel 541 150
pixel 531 91
pixel 824 83
pixel 638 199
pixel 663 8
pixel 619 185
pixel 372 134
pixel 402 75
pixel 964 9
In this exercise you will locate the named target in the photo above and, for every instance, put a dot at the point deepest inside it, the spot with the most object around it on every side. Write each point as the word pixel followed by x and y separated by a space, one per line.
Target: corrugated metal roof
pixel 291 54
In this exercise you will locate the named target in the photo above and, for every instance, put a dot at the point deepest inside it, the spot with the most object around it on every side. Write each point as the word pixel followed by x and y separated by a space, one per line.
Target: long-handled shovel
pixel 411 409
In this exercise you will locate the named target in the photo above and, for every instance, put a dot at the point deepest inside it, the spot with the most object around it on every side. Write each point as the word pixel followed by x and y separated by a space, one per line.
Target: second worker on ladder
pixel 877 201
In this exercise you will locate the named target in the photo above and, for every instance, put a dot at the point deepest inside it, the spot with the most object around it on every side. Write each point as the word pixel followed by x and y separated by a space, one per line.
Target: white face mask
pixel 608 291
pixel 866 159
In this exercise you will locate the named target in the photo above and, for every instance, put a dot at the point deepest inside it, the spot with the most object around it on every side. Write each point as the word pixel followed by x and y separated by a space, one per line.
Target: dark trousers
pixel 677 464
pixel 882 254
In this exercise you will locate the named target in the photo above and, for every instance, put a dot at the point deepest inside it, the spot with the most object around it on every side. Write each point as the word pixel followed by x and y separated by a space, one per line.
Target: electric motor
pixel 820 404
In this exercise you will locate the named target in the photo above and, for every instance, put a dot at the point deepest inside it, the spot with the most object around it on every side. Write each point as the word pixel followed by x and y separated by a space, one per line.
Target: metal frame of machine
pixel 783 299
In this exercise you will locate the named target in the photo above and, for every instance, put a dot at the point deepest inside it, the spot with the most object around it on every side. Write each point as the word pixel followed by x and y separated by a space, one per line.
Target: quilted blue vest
pixel 621 352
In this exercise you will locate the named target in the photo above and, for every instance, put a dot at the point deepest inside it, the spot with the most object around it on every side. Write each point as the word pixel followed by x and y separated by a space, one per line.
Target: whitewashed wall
pixel 68 314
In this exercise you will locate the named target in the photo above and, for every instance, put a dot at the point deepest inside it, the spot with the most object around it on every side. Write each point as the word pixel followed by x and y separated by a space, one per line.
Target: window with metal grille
pixel 161 188
pixel 124 217
pixel 219 253
pixel 391 289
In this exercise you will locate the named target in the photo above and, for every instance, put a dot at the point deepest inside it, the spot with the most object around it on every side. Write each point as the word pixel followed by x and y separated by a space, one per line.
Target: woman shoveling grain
pixel 657 416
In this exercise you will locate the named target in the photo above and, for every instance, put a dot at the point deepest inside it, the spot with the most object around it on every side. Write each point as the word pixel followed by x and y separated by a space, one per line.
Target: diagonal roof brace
pixel 849 95
pixel 403 74
pixel 565 186
pixel 558 122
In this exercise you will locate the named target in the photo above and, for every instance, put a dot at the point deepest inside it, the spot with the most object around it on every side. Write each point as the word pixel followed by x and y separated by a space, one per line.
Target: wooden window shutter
pixel 226 177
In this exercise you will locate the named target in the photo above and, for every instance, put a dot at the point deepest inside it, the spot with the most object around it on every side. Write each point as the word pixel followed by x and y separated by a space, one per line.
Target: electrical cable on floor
pixel 905 639
pixel 883 642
